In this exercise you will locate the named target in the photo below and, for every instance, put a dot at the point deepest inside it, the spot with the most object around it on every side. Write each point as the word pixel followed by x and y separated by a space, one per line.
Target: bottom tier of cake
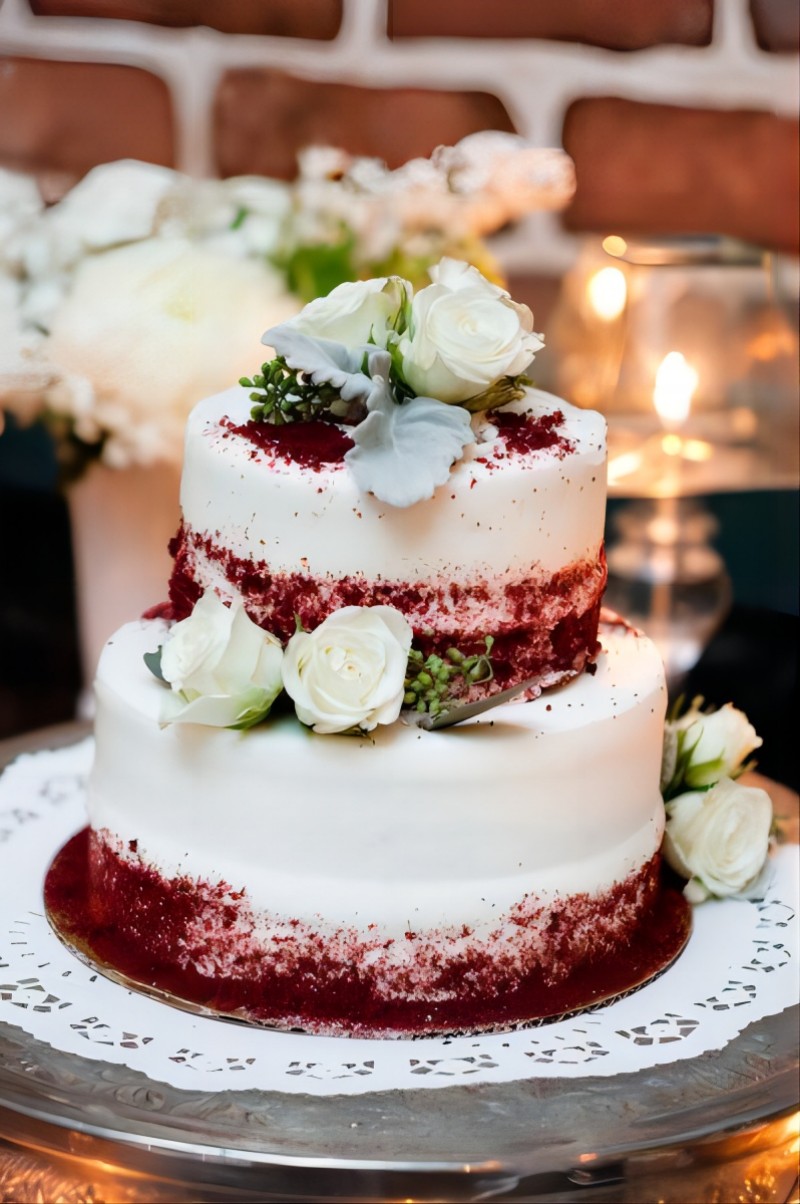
pixel 405 882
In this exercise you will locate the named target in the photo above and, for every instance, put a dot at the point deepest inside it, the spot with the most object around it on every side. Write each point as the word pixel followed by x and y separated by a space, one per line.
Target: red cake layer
pixel 202 943
pixel 542 626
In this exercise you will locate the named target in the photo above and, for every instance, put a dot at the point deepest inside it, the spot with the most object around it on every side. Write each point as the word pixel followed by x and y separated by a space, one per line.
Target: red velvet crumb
pixel 197 942
pixel 523 433
pixel 312 445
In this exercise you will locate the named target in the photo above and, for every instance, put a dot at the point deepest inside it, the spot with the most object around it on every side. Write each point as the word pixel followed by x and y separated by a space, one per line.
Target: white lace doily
pixel 740 966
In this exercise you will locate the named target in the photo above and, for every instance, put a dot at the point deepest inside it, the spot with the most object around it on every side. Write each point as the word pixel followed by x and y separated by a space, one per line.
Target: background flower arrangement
pixel 142 289
pixel 128 296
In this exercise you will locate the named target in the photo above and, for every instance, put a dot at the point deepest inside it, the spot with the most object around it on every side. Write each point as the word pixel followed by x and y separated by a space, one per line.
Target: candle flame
pixel 607 291
pixel 676 381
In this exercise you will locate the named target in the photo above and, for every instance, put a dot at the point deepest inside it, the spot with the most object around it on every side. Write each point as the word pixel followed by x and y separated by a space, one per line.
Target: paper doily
pixel 739 967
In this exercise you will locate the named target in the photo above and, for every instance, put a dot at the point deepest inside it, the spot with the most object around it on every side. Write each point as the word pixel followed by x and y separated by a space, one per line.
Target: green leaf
pixel 313 270
pixel 153 662
pixel 240 217
pixel 702 775
pixel 501 393
pixel 250 718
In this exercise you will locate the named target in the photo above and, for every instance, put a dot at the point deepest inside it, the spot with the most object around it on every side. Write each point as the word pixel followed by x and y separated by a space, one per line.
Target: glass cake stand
pixel 719 1127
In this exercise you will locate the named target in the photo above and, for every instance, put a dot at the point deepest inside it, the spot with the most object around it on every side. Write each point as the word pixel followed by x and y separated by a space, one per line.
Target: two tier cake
pixel 368 853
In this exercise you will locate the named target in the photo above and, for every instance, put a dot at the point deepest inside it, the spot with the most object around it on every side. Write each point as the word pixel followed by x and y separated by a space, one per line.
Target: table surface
pixel 714 1127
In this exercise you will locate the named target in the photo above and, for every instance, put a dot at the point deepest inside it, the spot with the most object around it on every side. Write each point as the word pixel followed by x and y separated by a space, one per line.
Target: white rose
pixel 156 325
pixel 223 669
pixel 717 744
pixel 360 312
pixel 464 334
pixel 349 672
pixel 719 838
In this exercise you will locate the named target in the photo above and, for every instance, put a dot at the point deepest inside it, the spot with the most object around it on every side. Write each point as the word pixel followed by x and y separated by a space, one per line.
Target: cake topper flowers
pixel 405 370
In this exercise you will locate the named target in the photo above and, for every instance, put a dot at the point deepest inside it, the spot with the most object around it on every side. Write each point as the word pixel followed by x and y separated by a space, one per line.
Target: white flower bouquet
pixel 129 299
pixel 142 290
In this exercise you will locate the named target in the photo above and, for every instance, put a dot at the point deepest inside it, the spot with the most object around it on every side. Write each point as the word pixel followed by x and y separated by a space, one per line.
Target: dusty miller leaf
pixel 403 452
pixel 322 360
pixel 153 662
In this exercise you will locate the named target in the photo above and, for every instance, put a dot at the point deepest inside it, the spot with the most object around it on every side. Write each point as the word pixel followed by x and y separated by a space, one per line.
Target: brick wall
pixel 681 117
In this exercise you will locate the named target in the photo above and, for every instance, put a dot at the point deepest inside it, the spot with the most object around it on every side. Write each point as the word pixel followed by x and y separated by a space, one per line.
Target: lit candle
pixel 607 293
pixel 676 383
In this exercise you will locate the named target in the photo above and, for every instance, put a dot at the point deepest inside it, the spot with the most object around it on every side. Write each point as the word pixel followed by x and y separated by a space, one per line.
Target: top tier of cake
pixel 510 547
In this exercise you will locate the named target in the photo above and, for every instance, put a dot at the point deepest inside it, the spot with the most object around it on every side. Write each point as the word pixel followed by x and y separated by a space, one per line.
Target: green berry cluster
pixel 434 681
pixel 283 395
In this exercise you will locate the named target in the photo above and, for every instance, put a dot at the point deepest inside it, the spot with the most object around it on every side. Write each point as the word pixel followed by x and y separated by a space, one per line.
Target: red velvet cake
pixel 387 528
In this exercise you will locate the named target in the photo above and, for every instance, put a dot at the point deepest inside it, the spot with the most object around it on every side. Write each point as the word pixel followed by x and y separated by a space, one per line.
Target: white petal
pixel 217 710
pixel 194 646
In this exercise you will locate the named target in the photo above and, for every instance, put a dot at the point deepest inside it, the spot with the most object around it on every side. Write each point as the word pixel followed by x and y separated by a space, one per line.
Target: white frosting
pixel 555 796
pixel 542 510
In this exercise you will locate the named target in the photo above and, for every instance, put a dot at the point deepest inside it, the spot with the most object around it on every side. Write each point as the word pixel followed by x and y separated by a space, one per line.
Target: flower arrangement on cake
pixel 404 371
pixel 718 830
pixel 359 669
pixel 409 376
